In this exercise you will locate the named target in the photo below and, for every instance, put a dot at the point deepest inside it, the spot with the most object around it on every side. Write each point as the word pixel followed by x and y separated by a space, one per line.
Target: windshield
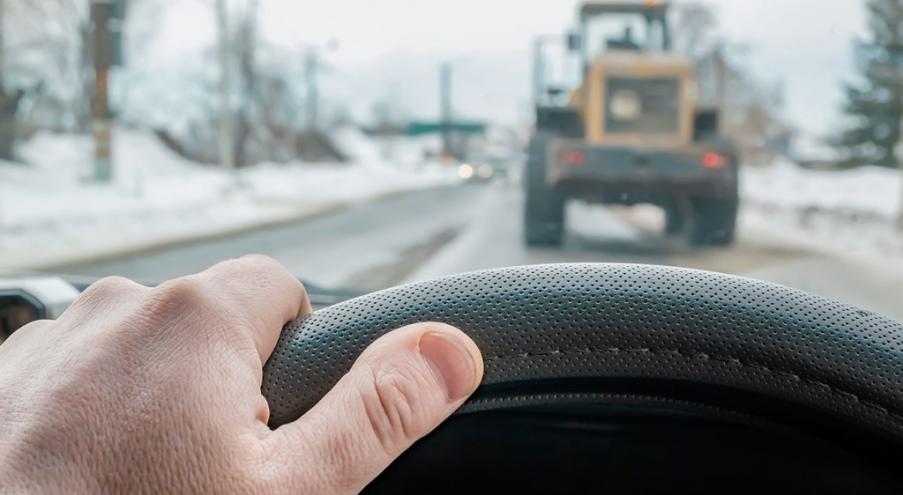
pixel 366 143
pixel 617 31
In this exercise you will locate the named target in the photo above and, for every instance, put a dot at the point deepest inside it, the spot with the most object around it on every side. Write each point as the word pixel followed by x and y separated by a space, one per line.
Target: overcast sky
pixel 393 48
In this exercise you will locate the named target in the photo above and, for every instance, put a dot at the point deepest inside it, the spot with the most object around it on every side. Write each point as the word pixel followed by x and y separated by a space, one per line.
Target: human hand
pixel 157 390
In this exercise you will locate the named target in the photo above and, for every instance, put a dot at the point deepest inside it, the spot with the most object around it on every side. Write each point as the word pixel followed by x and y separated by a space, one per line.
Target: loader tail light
pixel 572 157
pixel 714 161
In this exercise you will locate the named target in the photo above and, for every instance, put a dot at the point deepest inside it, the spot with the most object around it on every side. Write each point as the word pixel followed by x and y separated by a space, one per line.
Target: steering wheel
pixel 637 353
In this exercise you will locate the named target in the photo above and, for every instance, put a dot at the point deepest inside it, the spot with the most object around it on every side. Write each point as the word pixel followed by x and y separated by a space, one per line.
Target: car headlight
pixel 465 171
pixel 485 171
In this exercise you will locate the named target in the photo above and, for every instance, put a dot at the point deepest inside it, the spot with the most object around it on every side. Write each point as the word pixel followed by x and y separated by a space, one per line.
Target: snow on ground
pixel 49 213
pixel 850 212
pixel 395 151
pixel 874 191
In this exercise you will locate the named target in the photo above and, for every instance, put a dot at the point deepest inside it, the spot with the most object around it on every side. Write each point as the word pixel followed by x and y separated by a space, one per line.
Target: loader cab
pixel 606 27
pixel 627 88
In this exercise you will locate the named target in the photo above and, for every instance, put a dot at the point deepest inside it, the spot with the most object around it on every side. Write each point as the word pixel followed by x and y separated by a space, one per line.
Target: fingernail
pixel 451 362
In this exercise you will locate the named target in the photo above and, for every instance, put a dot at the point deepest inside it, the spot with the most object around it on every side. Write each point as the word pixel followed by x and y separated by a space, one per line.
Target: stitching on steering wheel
pixel 895 416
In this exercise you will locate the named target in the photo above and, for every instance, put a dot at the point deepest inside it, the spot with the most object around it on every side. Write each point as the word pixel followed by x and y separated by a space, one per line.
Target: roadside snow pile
pixel 51 190
pixel 849 212
pixel 49 214
pixel 357 146
pixel 870 191
pixel 278 183
pixel 391 151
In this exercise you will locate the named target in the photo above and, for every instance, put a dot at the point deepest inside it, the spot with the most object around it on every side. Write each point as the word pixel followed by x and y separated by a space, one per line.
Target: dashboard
pixel 26 299
pixel 29 298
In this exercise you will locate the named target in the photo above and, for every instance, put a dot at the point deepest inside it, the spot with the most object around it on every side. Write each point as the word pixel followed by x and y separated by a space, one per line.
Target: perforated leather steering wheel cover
pixel 546 322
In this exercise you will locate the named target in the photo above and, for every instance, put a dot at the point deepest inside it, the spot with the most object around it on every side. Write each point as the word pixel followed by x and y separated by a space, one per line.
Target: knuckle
pixel 111 285
pixel 266 266
pixel 36 325
pixel 395 406
pixel 259 258
pixel 263 263
pixel 255 269
pixel 181 293
pixel 103 292
pixel 207 308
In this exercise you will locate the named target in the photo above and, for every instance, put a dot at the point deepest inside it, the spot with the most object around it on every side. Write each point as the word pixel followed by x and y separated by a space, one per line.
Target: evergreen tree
pixel 874 104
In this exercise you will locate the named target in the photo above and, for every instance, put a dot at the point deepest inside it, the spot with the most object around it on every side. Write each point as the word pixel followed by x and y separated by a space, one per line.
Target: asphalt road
pixel 437 232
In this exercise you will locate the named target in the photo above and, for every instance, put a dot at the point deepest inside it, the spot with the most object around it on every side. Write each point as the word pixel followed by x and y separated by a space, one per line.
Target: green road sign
pixel 459 127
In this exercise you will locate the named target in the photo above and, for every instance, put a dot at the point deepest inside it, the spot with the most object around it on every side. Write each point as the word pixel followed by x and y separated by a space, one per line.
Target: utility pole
pixel 538 70
pixel 445 96
pixel 313 55
pixel 311 65
pixel 225 132
pixel 2 40
pixel 101 117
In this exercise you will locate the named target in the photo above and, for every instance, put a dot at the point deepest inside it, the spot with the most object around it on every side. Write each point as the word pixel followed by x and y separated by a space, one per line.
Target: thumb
pixel 403 385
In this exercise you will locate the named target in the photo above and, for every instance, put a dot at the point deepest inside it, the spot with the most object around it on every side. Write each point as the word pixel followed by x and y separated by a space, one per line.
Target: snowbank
pixel 865 190
pixel 851 212
pixel 324 183
pixel 49 213
pixel 357 146
pixel 388 151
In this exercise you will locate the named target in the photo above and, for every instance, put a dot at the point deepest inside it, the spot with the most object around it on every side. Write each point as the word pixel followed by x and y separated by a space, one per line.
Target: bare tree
pixel 51 43
pixel 694 28
pixel 9 99
pixel 49 48
pixel 246 44
pixel 749 111
pixel 258 104
pixel 247 110
pixel 239 80
pixel 224 52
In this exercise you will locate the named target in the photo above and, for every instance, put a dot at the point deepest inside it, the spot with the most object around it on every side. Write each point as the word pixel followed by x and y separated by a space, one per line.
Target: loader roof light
pixel 714 161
